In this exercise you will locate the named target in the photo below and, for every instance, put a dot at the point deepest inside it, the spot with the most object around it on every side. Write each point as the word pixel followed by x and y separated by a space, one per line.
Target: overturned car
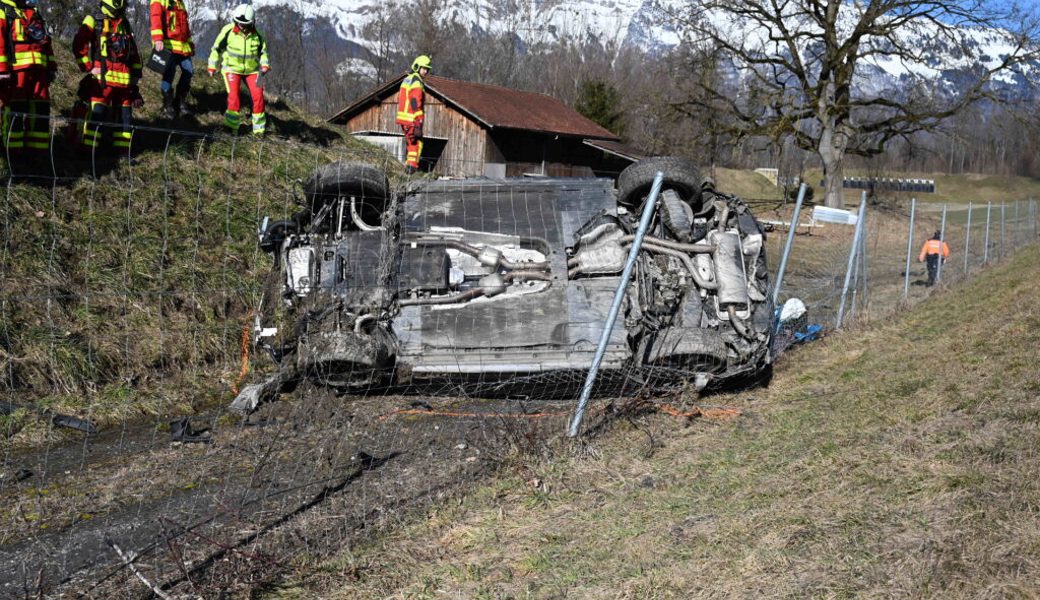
pixel 502 287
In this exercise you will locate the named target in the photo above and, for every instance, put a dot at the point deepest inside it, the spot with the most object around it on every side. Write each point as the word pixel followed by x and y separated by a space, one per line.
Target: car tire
pixel 680 174
pixel 368 184
pixel 275 235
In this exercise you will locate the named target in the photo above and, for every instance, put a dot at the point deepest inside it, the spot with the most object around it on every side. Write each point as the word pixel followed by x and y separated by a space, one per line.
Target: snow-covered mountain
pixel 644 24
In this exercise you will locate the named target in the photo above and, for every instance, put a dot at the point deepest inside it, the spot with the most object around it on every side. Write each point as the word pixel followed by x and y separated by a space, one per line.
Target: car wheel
pixel 680 174
pixel 275 234
pixel 366 183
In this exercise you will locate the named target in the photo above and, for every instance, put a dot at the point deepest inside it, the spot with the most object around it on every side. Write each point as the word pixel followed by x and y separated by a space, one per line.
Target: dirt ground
pixel 300 479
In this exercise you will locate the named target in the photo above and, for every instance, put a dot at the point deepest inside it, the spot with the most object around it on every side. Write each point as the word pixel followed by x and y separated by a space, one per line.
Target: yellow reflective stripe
pixel 3 58
pixel 158 32
pixel 85 60
pixel 29 58
pixel 179 46
pixel 117 77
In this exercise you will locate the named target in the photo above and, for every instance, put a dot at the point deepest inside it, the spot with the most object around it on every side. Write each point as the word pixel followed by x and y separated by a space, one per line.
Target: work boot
pixel 168 110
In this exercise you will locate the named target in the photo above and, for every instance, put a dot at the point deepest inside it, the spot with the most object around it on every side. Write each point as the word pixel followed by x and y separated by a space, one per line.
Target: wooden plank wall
pixel 465 153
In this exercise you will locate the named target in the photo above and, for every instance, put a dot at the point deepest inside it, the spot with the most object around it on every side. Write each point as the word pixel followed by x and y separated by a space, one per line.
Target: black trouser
pixel 184 84
pixel 932 260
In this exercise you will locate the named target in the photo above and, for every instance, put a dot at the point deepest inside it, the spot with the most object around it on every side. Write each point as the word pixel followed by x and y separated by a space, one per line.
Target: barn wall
pixel 464 155
pixel 527 152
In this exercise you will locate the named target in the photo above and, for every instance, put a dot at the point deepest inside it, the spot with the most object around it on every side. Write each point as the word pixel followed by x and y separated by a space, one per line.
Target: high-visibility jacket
pixel 410 99
pixel 239 52
pixel 108 44
pixel 933 247
pixel 24 42
pixel 170 26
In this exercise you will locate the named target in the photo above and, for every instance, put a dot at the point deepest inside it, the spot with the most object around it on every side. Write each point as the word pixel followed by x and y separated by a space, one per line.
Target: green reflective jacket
pixel 240 52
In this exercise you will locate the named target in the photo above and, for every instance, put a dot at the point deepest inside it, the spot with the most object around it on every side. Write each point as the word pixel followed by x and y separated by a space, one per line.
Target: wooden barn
pixel 473 129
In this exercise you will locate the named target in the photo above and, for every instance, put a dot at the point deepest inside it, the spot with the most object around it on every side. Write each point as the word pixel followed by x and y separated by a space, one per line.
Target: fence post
pixel 1014 230
pixel 864 266
pixel 790 243
pixel 619 295
pixel 1003 228
pixel 942 240
pixel 985 249
pixel 967 239
pixel 852 258
pixel 909 248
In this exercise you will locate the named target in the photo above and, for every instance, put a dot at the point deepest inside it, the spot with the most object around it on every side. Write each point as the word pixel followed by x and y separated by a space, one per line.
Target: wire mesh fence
pixel 136 303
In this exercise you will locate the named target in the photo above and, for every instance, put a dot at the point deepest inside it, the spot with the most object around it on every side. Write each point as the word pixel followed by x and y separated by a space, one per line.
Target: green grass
pixel 899 460
pixel 125 296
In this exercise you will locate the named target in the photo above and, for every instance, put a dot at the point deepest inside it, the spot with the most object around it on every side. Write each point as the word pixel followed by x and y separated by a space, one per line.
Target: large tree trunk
pixel 834 140
pixel 832 176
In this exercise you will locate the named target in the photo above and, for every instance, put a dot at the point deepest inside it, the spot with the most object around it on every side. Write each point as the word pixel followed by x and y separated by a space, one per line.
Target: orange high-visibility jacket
pixel 932 247
pixel 410 101
pixel 23 28
pixel 170 23
pixel 110 46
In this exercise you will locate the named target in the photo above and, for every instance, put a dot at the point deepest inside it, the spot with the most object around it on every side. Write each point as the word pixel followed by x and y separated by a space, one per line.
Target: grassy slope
pixel 124 296
pixel 896 461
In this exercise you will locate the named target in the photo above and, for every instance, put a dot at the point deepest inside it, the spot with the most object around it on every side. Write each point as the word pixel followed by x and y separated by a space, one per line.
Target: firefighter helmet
pixel 113 9
pixel 243 14
pixel 420 62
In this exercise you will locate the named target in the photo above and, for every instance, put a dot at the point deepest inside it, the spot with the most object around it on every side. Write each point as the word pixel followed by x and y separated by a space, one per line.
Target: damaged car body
pixel 502 287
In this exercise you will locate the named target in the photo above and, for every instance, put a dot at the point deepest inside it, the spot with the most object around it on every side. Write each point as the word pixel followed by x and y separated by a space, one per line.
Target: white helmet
pixel 243 14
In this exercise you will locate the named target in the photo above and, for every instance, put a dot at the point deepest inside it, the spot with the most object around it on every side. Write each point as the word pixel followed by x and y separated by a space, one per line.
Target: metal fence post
pixel 852 259
pixel 967 239
pixel 615 307
pixel 864 265
pixel 1003 228
pixel 1014 229
pixel 942 240
pixel 790 243
pixel 985 248
pixel 909 248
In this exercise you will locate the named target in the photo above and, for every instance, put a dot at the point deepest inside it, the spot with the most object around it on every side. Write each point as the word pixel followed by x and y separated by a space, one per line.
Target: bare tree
pixel 806 68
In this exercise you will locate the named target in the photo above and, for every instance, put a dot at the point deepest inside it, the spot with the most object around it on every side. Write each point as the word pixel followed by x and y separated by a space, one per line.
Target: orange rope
pixel 245 359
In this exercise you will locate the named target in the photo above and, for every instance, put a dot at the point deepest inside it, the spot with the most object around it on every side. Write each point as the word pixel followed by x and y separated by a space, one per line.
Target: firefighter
pixel 171 31
pixel 27 68
pixel 410 100
pixel 934 251
pixel 243 51
pixel 105 48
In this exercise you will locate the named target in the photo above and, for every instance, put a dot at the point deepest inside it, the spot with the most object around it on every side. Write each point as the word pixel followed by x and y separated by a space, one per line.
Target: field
pixel 896 460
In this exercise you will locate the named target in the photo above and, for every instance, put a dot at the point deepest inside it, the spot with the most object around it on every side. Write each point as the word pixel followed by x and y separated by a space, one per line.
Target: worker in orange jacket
pixel 27 68
pixel 934 251
pixel 410 100
pixel 105 48
pixel 171 32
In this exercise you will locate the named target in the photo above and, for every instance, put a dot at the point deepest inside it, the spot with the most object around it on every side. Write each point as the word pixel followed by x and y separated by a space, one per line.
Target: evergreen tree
pixel 600 102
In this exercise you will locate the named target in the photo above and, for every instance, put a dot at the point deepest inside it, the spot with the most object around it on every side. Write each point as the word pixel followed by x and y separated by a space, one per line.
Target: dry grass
pixel 896 461
pixel 123 297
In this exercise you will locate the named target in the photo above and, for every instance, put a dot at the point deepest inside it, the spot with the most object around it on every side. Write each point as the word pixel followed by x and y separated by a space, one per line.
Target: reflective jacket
pixel 24 42
pixel 240 52
pixel 933 247
pixel 108 44
pixel 170 26
pixel 410 99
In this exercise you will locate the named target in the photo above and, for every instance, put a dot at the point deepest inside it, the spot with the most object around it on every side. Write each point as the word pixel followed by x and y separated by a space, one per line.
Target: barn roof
pixel 494 107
